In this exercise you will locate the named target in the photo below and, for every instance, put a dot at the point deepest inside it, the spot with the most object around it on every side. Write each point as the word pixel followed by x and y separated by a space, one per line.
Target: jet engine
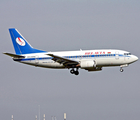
pixel 87 64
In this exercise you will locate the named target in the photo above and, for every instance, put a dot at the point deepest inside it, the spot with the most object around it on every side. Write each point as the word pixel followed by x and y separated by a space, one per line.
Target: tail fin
pixel 20 44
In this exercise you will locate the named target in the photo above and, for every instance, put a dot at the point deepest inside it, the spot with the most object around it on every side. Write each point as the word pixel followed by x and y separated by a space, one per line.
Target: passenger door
pixel 117 55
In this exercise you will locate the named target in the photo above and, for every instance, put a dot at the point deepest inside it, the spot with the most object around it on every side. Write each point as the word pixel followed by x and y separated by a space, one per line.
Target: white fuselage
pixel 103 58
pixel 91 60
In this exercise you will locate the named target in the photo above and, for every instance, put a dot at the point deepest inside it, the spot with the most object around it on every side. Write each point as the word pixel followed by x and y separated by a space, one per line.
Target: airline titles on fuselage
pixel 91 53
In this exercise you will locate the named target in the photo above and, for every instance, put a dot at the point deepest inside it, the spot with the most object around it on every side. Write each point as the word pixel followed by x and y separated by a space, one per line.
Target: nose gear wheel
pixel 121 70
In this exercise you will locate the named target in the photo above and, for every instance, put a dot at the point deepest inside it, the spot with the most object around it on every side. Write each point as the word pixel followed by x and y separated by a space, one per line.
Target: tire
pixel 72 71
pixel 121 70
pixel 76 73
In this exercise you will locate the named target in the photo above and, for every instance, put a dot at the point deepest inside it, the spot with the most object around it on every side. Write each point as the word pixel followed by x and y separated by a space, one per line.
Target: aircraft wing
pixel 65 61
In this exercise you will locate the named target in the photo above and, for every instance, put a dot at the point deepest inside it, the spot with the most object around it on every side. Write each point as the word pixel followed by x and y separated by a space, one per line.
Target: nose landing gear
pixel 121 67
pixel 121 70
pixel 72 71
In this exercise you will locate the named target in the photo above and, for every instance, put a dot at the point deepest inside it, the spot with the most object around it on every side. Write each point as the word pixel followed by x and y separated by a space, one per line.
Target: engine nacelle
pixel 94 69
pixel 87 64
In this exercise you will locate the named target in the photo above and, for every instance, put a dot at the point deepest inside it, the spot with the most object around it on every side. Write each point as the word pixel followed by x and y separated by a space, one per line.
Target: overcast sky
pixel 57 25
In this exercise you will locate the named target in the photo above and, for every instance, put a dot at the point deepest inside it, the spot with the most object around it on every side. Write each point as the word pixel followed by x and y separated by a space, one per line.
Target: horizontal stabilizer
pixel 14 55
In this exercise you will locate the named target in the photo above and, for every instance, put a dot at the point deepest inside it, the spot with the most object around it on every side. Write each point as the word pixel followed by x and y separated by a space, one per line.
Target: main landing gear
pixel 72 71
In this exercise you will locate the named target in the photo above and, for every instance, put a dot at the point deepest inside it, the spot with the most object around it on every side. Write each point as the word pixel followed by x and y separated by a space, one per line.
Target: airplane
pixel 90 60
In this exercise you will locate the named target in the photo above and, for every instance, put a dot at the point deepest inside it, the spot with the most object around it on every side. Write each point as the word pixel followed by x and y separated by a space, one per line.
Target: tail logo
pixel 20 41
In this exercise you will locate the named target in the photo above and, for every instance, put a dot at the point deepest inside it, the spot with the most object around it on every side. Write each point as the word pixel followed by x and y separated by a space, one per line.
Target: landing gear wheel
pixel 121 70
pixel 72 71
pixel 76 73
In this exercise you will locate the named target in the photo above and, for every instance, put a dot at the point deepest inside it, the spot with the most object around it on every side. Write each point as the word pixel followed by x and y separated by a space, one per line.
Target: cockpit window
pixel 127 53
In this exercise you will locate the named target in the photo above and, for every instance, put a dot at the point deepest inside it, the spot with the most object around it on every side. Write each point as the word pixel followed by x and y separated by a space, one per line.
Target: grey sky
pixel 54 25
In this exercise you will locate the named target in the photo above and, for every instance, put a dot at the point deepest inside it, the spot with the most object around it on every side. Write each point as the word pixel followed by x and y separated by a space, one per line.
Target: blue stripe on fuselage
pixel 71 57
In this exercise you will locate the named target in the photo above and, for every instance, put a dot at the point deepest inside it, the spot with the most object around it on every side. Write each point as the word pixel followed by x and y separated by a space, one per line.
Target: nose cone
pixel 135 58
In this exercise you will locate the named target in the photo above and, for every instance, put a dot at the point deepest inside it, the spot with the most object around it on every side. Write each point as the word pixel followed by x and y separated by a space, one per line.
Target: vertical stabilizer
pixel 20 44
